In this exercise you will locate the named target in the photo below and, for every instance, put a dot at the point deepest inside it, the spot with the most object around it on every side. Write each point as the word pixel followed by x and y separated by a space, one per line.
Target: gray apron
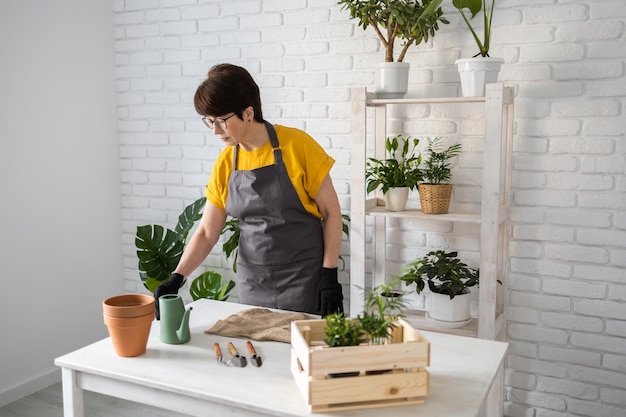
pixel 281 245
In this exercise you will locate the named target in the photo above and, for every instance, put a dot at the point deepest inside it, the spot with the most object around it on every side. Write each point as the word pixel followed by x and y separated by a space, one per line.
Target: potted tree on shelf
pixel 436 192
pixel 449 281
pixel 395 177
pixel 481 69
pixel 409 21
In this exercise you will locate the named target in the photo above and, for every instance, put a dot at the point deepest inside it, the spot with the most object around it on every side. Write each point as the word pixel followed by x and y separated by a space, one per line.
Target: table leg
pixel 73 403
pixel 495 397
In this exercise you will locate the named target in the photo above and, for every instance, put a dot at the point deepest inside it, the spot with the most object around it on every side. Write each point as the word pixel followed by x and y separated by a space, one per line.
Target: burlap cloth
pixel 258 324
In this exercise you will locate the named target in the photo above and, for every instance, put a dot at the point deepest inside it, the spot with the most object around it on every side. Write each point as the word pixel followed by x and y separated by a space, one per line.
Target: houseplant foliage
pixel 209 285
pixel 341 331
pixel 435 194
pixel 383 307
pixel 159 250
pixel 474 7
pixel 442 271
pixel 392 172
pixel 437 168
pixel 411 21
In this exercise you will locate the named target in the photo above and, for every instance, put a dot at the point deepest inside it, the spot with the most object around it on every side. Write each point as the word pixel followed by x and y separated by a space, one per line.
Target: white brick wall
pixel 567 290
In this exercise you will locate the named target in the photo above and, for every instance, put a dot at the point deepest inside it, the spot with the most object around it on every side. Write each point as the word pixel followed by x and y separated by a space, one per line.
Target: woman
pixel 275 181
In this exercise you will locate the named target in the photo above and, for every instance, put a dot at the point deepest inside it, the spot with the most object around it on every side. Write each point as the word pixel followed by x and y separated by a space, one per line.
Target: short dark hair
pixel 228 89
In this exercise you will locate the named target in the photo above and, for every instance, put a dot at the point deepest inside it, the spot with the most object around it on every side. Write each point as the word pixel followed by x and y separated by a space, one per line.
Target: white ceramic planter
pixel 477 72
pixel 449 313
pixel 392 79
pixel 396 198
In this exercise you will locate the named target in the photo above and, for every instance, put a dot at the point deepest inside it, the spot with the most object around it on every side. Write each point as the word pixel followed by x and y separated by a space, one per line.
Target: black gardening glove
pixel 170 286
pixel 329 294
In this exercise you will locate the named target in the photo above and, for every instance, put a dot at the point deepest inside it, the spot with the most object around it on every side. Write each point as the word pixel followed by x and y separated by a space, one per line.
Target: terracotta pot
pixel 128 318
pixel 129 334
pixel 128 305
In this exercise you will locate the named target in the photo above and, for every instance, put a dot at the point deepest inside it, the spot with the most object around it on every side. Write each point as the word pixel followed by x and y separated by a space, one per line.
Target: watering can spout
pixel 183 333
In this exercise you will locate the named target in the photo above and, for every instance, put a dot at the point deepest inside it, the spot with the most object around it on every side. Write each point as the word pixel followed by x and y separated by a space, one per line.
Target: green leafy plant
pixel 437 167
pixel 231 245
pixel 474 7
pixel 159 249
pixel 442 271
pixel 383 307
pixel 412 21
pixel 392 172
pixel 209 285
pixel 341 331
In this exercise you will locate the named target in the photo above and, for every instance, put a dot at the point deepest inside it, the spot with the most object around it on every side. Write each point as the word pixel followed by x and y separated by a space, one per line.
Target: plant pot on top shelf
pixel 435 194
pixel 411 21
pixel 390 173
pixel 481 69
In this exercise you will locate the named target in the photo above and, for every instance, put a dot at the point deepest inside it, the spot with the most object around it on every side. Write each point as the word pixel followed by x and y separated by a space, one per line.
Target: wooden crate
pixel 403 361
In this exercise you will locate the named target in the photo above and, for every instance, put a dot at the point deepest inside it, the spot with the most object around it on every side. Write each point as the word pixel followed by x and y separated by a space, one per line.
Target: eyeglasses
pixel 221 123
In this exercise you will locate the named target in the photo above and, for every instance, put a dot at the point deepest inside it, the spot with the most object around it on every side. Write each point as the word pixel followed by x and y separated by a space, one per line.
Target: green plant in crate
pixel 341 331
pixel 383 307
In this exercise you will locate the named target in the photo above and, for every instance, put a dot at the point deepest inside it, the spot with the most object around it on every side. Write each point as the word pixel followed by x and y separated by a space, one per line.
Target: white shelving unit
pixel 494 211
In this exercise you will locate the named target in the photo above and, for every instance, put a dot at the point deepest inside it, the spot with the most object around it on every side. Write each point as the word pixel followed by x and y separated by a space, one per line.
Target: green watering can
pixel 174 320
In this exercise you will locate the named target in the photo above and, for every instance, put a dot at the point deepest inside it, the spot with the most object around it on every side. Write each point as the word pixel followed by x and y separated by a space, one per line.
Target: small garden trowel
pixel 236 359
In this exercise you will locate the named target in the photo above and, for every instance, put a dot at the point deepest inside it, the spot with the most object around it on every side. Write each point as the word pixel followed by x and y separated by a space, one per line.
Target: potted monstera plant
pixel 408 21
pixel 481 69
pixel 449 280
pixel 396 175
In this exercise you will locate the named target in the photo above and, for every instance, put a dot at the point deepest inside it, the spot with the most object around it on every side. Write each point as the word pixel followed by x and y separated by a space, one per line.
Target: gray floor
pixel 49 403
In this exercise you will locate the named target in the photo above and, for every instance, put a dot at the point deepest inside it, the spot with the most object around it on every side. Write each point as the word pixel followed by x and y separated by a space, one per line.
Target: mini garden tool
pixel 218 352
pixel 254 358
pixel 236 360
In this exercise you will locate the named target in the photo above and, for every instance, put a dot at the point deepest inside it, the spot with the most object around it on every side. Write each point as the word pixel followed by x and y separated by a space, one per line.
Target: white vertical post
pixel 73 402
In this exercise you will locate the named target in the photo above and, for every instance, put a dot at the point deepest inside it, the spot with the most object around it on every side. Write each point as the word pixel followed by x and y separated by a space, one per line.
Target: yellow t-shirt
pixel 306 161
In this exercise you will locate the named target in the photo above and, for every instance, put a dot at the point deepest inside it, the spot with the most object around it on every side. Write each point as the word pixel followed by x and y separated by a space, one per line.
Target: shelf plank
pixel 418 320
pixel 417 214
pixel 372 100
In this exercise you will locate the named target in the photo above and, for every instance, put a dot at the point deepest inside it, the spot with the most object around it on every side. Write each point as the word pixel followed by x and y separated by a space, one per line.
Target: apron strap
pixel 278 155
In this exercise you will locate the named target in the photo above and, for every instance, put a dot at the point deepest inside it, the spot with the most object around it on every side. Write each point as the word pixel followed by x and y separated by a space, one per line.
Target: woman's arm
pixel 203 240
pixel 328 204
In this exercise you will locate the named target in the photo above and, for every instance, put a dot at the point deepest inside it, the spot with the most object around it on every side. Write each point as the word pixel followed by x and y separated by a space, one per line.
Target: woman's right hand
pixel 170 286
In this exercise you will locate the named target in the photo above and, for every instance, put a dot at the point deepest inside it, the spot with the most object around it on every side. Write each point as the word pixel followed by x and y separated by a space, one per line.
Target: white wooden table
pixel 466 376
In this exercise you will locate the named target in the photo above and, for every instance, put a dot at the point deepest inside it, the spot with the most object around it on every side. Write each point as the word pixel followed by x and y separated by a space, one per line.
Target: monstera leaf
pixel 209 285
pixel 159 249
pixel 189 216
